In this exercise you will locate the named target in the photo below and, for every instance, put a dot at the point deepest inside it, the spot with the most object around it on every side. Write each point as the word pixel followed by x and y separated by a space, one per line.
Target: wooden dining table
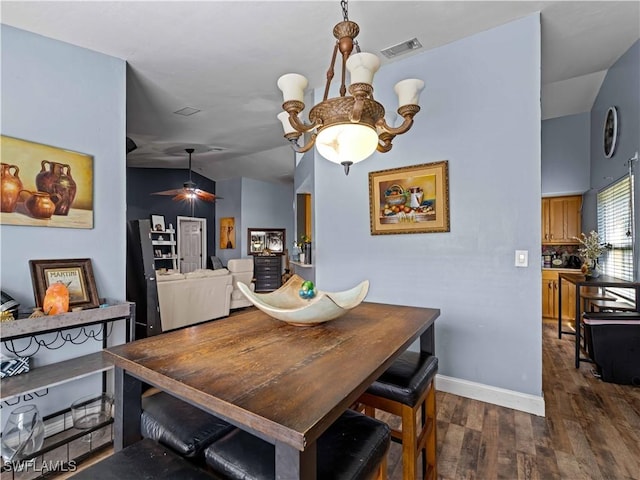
pixel 285 384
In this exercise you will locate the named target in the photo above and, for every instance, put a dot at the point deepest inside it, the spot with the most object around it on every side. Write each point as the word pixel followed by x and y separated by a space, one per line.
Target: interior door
pixel 192 240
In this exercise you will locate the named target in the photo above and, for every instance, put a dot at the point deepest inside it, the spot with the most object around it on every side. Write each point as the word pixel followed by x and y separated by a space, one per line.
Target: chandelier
pixel 349 128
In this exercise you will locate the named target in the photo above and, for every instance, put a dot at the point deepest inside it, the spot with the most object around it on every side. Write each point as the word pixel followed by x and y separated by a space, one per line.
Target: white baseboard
pixel 495 395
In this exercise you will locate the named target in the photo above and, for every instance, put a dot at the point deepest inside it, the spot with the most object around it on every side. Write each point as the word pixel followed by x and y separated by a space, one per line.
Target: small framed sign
pixel 76 274
pixel 157 223
pixel 610 133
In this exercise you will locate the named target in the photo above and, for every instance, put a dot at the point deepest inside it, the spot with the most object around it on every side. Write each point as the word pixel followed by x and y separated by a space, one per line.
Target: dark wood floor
pixel 591 429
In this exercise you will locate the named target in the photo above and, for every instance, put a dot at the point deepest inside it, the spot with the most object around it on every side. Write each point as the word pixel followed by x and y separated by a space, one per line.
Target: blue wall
pixel 266 205
pixel 481 112
pixel 51 92
pixel 565 155
pixel 69 97
pixel 254 204
pixel 620 88
pixel 141 182
pixel 231 206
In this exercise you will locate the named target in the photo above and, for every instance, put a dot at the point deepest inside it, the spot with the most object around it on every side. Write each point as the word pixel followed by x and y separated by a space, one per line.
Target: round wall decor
pixel 610 133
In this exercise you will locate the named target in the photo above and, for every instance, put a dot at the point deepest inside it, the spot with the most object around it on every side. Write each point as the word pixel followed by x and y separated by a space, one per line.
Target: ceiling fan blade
pixel 206 196
pixel 175 191
pixel 189 189
pixel 180 197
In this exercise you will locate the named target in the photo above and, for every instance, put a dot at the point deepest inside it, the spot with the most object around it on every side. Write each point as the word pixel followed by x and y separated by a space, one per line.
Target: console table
pixel 581 281
pixel 56 374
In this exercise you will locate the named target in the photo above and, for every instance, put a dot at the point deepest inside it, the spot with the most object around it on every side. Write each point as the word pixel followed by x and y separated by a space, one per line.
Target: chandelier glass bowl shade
pixel 349 128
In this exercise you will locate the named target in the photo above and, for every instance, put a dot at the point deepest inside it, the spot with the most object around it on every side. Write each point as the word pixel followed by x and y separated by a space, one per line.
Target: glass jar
pixel 23 434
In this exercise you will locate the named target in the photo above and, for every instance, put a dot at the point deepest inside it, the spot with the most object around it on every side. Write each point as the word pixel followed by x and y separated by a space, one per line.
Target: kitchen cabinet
pixel 550 293
pixel 267 271
pixel 561 220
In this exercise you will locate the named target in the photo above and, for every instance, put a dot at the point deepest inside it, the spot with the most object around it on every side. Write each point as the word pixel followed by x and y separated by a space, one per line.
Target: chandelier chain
pixel 345 16
pixel 345 9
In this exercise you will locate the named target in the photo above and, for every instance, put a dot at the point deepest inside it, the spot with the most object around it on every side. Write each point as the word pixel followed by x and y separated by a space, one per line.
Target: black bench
pixel 354 447
pixel 613 343
pixel 179 425
pixel 144 460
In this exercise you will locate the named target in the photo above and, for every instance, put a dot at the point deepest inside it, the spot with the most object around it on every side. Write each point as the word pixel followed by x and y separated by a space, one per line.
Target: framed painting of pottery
pixel 45 186
pixel 411 199
pixel 76 274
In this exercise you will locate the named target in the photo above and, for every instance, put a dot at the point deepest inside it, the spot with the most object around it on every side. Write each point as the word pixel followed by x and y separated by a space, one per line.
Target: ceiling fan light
pixel 408 91
pixel 286 124
pixel 349 142
pixel 292 86
pixel 362 66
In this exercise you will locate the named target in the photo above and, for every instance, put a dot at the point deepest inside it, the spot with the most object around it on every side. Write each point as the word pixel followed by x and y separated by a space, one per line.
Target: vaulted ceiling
pixel 223 59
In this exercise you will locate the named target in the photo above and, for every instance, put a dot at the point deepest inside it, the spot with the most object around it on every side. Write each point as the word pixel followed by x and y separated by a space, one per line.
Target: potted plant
pixel 306 248
pixel 590 250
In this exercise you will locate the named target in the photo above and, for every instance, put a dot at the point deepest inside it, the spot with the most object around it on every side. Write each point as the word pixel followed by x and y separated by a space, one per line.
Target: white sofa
pixel 242 271
pixel 194 297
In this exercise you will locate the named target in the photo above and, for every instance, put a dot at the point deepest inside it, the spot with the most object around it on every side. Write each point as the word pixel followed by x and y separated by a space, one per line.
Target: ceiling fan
pixel 189 190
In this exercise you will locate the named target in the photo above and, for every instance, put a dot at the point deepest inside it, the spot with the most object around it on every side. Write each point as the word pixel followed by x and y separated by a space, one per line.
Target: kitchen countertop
pixel 562 269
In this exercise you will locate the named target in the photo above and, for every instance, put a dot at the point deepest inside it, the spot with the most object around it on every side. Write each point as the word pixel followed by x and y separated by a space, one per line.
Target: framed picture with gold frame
pixel 76 274
pixel 411 199
pixel 228 232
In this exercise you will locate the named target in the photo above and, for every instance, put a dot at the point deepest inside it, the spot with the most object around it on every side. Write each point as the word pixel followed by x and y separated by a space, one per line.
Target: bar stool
pixel 611 306
pixel 179 425
pixel 591 295
pixel 354 447
pixel 407 389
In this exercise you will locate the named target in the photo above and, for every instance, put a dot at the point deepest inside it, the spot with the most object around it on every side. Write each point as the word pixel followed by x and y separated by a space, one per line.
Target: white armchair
pixel 242 271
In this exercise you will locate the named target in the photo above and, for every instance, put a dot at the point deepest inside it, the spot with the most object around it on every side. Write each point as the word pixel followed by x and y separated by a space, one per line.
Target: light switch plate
pixel 522 258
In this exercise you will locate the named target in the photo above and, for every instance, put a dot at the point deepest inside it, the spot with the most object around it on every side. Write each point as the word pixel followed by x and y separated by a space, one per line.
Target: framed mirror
pixel 265 241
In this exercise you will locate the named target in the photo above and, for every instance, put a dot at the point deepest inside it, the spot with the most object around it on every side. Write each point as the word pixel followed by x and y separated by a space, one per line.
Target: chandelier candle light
pixel 346 129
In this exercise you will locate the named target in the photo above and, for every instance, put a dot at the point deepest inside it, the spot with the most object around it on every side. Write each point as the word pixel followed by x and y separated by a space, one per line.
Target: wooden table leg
pixel 578 325
pixel 428 341
pixel 292 463
pixel 560 307
pixel 128 408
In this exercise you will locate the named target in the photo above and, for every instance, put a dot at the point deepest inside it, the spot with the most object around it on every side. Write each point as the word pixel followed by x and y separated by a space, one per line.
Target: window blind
pixel 615 228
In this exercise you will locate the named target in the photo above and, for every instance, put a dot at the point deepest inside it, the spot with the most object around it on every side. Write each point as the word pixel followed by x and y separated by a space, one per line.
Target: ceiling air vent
pixel 401 48
pixel 186 111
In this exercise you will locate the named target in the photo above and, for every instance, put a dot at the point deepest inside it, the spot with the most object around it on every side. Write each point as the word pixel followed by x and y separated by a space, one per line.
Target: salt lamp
pixel 56 299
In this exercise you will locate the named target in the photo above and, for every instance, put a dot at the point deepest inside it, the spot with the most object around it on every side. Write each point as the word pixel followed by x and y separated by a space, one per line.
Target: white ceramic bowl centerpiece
pixel 286 304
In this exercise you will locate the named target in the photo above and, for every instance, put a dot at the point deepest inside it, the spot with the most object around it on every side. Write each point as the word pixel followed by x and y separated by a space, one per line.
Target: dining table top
pixel 599 281
pixel 281 382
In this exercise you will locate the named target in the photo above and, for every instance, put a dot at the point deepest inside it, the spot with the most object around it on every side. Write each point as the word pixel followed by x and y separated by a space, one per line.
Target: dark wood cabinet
pixel 267 271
